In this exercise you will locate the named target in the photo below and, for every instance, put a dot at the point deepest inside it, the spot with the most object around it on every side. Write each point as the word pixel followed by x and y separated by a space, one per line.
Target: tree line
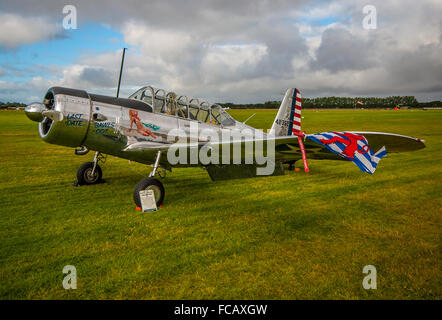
pixel 343 102
pixel 6 105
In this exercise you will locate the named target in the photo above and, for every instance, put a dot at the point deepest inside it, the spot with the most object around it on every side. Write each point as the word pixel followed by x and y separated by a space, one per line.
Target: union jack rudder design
pixel 352 147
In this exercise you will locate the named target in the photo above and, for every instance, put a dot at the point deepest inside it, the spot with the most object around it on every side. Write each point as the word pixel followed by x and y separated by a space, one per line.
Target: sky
pixel 224 50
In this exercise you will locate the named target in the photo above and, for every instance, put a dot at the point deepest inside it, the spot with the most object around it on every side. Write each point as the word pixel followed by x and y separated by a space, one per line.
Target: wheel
pixel 84 176
pixel 149 184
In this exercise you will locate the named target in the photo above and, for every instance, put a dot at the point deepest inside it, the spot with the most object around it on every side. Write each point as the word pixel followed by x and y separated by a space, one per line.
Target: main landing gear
pixel 90 172
pixel 151 183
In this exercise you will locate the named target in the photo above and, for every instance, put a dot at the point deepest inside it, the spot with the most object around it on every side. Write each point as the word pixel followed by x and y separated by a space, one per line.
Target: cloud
pixel 246 51
pixel 97 76
pixel 223 62
pixel 342 50
pixel 17 30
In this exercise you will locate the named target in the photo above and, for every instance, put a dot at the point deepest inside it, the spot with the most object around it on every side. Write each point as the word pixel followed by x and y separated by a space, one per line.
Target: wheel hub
pixel 156 191
pixel 89 177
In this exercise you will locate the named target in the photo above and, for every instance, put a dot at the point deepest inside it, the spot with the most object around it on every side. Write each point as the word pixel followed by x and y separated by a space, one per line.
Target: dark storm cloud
pixel 341 50
pixel 420 69
pixel 283 43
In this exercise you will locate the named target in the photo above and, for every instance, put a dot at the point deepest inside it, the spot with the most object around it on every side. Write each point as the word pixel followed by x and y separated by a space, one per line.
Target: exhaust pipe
pixel 82 151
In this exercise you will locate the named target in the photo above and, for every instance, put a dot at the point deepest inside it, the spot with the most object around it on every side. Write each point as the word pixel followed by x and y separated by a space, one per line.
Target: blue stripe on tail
pixel 292 113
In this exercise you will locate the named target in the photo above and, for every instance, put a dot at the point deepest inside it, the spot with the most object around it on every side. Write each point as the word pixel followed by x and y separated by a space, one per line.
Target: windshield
pixel 221 116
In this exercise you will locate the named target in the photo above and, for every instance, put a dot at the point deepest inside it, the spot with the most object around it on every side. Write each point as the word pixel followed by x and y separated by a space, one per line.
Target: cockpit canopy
pixel 181 106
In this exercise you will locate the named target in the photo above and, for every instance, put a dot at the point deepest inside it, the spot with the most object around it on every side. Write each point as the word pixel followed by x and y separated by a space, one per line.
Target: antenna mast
pixel 121 71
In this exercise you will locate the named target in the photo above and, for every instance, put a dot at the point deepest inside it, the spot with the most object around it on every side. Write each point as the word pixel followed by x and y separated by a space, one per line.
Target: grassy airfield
pixel 298 236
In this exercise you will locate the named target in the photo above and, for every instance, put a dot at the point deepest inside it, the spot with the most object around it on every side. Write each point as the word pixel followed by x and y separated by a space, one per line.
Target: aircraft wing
pixel 286 147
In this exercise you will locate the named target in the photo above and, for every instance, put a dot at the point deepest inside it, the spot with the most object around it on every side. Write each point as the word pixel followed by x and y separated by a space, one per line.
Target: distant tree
pixel 340 102
pixel 5 105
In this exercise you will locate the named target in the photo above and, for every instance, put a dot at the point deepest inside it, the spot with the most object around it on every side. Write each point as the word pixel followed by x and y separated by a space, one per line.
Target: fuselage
pixel 109 125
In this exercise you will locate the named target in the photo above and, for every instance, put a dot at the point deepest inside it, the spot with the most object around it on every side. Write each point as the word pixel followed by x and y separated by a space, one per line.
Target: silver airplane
pixel 138 128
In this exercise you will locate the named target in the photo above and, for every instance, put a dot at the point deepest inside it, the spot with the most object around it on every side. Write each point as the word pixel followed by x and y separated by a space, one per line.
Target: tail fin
pixel 288 119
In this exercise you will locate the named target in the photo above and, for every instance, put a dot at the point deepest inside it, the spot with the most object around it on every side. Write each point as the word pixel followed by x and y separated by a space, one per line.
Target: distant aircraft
pixel 138 129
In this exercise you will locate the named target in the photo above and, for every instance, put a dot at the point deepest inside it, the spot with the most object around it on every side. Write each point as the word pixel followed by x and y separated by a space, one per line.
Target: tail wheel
pixel 85 176
pixel 291 165
pixel 149 184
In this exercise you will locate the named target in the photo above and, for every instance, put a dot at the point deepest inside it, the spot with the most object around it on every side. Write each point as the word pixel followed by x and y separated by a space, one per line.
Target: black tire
pixel 83 174
pixel 149 183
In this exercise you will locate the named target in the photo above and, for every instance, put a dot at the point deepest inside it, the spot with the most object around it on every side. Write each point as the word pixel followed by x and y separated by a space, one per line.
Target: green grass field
pixel 298 236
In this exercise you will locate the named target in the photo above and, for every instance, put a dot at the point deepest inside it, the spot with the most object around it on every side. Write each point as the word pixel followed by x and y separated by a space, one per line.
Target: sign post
pixel 148 202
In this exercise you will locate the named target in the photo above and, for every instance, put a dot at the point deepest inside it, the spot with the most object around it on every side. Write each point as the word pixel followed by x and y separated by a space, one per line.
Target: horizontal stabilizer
pixel 392 142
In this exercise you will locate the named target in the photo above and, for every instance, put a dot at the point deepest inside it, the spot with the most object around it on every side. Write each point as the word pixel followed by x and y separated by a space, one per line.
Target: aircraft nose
pixel 34 111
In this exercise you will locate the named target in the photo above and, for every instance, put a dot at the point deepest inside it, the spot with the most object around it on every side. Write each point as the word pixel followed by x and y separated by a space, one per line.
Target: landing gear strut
pixel 90 172
pixel 150 183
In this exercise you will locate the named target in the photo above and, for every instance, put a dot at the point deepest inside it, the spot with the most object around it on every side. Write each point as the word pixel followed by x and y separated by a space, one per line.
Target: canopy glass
pixel 181 106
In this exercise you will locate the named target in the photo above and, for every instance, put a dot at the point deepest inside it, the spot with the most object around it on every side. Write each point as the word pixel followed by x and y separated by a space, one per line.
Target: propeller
pixel 38 111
